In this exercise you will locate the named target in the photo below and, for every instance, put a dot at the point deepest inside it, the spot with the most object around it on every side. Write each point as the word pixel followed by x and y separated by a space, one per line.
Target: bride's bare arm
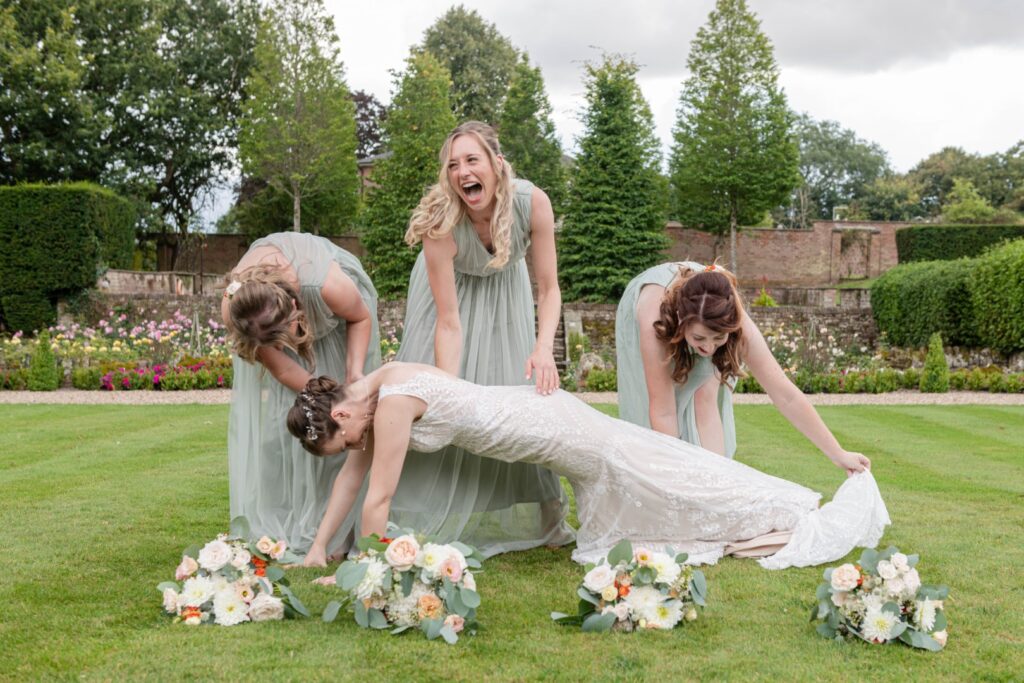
pixel 391 425
pixel 343 495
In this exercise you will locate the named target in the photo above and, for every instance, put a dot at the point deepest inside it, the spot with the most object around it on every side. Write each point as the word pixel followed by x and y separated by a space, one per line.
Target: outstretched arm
pixel 549 296
pixel 657 362
pixel 439 255
pixel 792 403
pixel 342 296
pixel 343 495
pixel 391 425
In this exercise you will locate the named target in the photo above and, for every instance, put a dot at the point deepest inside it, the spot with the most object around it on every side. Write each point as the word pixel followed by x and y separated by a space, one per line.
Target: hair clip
pixel 710 268
pixel 311 434
pixel 232 288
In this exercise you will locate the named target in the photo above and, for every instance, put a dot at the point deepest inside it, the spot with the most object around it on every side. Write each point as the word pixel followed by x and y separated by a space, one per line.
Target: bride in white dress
pixel 629 482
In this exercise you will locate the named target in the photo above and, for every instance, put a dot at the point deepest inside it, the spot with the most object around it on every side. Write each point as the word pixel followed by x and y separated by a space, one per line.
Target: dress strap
pixel 418 386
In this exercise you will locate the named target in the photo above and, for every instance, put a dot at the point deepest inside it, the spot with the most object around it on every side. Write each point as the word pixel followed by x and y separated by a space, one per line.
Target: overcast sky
pixel 911 75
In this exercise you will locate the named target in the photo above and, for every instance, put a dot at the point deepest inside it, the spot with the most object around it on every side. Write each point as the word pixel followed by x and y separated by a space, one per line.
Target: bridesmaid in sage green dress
pixel 680 329
pixel 296 306
pixel 470 312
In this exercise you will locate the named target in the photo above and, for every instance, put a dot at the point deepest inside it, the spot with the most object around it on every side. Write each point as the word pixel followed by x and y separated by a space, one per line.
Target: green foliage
pixel 602 380
pixel 947 242
pixel 614 222
pixel 43 373
pixel 479 59
pixel 965 205
pixel 835 167
pixel 764 299
pixel 935 376
pixel 54 240
pixel 734 156
pixel 298 129
pixel 890 197
pixel 419 121
pixel 997 292
pixel 528 138
pixel 912 301
pixel 998 179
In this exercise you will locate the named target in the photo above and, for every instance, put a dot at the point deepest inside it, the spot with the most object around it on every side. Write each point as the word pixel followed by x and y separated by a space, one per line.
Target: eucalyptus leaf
pixel 331 611
pixel 432 628
pixel 622 552
pixel 362 616
pixel 473 563
pixel 377 619
pixel 891 608
pixel 824 592
pixel 462 548
pixel 897 630
pixel 826 631
pixel 586 595
pixel 940 621
pixel 470 598
pixel 351 578
pixel 274 573
pixel 400 629
pixel 681 558
pixel 869 560
pixel 407 581
pixel 598 622
pixel 815 612
pixel 165 585
pixel 240 528
pixel 192 551
pixel 449 635
pixel 912 560
pixel 297 604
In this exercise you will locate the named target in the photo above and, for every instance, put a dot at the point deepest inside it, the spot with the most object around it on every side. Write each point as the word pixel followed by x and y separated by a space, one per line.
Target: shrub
pixel 935 376
pixel 912 301
pixel 43 374
pixel 86 378
pixel 997 295
pixel 14 379
pixel 950 242
pixel 53 241
pixel 602 380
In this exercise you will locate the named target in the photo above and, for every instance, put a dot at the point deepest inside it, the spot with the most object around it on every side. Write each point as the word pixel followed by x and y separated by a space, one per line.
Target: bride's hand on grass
pixel 851 461
pixel 316 557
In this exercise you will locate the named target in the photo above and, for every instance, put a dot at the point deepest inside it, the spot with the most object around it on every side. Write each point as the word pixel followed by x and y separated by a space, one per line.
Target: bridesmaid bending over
pixel 681 338
pixel 295 305
pixel 470 312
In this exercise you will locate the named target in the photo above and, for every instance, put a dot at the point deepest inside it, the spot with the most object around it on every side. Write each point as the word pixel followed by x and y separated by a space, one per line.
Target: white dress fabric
pixel 637 484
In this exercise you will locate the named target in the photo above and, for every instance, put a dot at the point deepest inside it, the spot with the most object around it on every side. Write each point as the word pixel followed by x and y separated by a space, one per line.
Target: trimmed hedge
pixel 997 293
pixel 913 301
pixel 54 241
pixel 950 242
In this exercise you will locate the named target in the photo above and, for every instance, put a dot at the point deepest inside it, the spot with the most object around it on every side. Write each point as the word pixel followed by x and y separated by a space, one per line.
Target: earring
pixel 343 432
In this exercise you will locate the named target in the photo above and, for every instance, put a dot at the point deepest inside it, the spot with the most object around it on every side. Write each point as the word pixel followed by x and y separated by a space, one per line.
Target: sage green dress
pixel 496 506
pixel 633 399
pixel 278 486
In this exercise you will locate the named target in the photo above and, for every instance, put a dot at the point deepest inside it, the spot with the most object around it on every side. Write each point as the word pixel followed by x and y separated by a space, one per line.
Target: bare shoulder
pixel 648 304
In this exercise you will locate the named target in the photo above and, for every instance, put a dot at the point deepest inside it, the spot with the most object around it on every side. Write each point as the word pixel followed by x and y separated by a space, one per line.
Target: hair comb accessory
pixel 232 288
pixel 710 268
pixel 311 434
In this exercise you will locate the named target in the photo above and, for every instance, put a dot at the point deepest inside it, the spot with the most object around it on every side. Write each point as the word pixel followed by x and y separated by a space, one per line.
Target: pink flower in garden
pixel 220 380
pixel 126 382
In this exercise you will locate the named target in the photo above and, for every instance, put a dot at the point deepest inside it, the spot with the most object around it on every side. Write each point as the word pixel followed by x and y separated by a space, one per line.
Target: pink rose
pixel 278 549
pixel 468 581
pixel 214 555
pixel 240 560
pixel 451 570
pixel 845 577
pixel 170 601
pixel 264 545
pixel 401 553
pixel 455 621
pixel 186 569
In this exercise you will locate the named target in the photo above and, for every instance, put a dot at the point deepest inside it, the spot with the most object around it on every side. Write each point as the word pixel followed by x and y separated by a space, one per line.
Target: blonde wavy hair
pixel 261 313
pixel 441 209
pixel 710 297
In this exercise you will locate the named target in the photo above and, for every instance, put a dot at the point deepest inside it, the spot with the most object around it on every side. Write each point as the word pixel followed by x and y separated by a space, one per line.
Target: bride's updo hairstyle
pixel 309 420
pixel 441 208
pixel 708 297
pixel 262 305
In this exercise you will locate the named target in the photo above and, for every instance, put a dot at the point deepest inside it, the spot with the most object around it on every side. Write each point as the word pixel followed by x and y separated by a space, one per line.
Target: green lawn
pixel 98 503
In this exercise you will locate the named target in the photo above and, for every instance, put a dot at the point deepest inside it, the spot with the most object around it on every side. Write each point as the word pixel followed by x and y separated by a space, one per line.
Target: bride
pixel 629 482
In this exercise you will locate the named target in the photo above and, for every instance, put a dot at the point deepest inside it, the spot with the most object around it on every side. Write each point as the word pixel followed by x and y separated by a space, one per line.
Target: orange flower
pixel 623 591
pixel 429 606
pixel 709 268
pixel 191 613
pixel 260 571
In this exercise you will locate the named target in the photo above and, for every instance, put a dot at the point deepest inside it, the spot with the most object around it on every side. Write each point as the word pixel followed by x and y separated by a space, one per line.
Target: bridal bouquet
pixel 231 580
pixel 881 599
pixel 637 589
pixel 407 582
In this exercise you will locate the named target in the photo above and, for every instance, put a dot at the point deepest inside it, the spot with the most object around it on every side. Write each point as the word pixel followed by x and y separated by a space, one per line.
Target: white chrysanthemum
pixel 925 614
pixel 643 601
pixel 913 581
pixel 373 581
pixel 895 587
pixel 900 562
pixel 668 570
pixel 430 557
pixel 214 555
pixel 666 615
pixel 196 591
pixel 229 609
pixel 872 602
pixel 404 610
pixel 886 570
pixel 878 625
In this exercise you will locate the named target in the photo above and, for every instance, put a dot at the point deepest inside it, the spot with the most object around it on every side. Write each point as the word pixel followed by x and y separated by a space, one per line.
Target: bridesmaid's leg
pixel 709 420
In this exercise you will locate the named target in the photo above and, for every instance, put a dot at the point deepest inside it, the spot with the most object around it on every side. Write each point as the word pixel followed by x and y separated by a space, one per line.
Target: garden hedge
pixel 950 242
pixel 54 241
pixel 913 301
pixel 997 295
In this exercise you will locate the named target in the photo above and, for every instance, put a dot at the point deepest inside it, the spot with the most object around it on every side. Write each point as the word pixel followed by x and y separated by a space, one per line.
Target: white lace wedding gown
pixel 635 483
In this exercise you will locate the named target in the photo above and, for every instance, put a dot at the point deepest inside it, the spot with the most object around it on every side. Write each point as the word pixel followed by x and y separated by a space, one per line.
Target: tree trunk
pixel 732 242
pixel 296 208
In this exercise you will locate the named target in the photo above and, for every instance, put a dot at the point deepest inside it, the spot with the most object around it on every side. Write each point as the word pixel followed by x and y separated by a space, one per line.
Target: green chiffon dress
pixel 278 486
pixel 493 505
pixel 633 399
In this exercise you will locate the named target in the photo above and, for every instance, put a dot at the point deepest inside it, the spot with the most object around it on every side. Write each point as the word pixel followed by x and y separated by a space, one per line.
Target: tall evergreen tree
pixel 419 120
pixel 615 220
pixel 527 134
pixel 734 156
pixel 370 115
pixel 298 131
pixel 479 59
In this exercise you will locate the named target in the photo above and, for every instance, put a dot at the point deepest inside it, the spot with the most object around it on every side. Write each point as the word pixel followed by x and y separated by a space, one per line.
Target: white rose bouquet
pixel 231 580
pixel 881 600
pixel 409 582
pixel 637 589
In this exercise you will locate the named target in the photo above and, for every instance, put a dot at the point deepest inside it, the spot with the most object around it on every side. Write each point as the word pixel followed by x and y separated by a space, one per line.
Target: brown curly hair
pixel 309 419
pixel 709 297
pixel 261 312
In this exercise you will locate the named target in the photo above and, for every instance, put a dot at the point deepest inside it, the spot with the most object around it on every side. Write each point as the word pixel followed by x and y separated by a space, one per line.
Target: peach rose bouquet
pixel 408 582
pixel 231 580
pixel 881 599
pixel 637 589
